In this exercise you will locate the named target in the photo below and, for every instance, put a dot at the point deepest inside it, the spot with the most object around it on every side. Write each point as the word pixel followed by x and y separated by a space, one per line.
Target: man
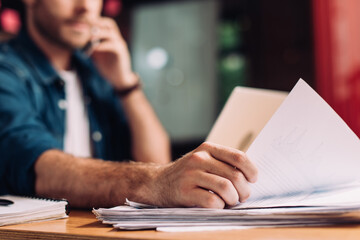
pixel 59 117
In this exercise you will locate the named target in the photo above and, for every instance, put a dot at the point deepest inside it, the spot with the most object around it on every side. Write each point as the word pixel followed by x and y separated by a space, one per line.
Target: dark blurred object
pixel 17 5
pixel 4 36
pixel 232 60
pixel 279 43
pixel 14 4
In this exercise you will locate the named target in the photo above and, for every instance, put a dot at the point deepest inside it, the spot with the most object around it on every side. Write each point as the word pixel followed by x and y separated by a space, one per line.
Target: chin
pixel 75 42
pixel 76 45
pixel 80 45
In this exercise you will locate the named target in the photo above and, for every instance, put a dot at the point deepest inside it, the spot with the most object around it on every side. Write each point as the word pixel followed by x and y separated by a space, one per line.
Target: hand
pixel 211 176
pixel 111 54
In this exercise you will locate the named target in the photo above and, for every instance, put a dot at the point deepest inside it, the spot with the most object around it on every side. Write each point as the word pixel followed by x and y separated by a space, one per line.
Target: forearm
pixel 210 176
pixel 91 182
pixel 111 56
pixel 149 140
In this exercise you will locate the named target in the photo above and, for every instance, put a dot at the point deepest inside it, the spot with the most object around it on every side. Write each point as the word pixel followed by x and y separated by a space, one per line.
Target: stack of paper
pixel 24 209
pixel 308 161
pixel 134 218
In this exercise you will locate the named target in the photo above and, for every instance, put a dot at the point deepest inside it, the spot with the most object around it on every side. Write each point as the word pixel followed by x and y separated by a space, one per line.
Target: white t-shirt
pixel 77 136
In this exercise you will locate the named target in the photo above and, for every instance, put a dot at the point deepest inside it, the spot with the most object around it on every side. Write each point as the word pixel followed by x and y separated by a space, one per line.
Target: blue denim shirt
pixel 32 113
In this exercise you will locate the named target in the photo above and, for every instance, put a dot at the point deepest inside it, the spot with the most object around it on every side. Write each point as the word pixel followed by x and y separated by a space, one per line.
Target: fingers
pixel 105 35
pixel 239 184
pixel 110 40
pixel 204 199
pixel 233 157
pixel 104 47
pixel 223 187
pixel 106 29
pixel 235 177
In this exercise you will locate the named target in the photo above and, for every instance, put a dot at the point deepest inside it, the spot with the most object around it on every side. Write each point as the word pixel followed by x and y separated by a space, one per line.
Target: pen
pixel 5 202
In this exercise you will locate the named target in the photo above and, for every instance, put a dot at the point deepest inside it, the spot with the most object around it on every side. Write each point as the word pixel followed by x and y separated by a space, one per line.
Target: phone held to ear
pixel 89 46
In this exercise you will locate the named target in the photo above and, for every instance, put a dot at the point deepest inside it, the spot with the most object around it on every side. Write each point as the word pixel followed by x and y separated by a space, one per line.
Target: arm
pixel 90 182
pixel 149 140
pixel 185 182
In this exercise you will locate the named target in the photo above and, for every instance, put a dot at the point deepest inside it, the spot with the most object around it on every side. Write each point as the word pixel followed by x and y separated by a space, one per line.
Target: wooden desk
pixel 83 225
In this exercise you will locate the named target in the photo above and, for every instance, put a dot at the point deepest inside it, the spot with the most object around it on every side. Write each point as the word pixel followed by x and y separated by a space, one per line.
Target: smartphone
pixel 89 46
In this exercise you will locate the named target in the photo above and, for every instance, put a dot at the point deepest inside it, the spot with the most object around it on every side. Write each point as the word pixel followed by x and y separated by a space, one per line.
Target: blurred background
pixel 192 53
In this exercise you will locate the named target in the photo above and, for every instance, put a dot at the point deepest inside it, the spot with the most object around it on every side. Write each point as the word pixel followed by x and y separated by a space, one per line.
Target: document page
pixel 304 148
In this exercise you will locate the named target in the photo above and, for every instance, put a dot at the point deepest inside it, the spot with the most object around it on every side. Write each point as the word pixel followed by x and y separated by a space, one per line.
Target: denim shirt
pixel 33 111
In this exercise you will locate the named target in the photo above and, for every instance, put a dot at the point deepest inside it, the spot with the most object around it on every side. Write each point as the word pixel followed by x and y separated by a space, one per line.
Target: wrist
pixel 146 190
pixel 135 86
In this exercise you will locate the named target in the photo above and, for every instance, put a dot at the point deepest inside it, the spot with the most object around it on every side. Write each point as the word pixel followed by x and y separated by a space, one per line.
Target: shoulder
pixel 11 61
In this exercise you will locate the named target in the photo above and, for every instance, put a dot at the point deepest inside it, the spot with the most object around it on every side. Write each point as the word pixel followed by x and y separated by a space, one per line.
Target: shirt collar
pixel 38 60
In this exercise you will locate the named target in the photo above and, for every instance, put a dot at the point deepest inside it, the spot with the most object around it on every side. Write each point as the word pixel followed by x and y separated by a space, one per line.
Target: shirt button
pixel 62 104
pixel 97 136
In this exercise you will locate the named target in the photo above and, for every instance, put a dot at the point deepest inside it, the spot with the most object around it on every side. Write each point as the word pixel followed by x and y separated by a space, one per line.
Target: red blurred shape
pixel 112 8
pixel 10 21
pixel 337 52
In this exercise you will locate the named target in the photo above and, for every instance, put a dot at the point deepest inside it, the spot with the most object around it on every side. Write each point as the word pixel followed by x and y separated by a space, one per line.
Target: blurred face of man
pixel 65 23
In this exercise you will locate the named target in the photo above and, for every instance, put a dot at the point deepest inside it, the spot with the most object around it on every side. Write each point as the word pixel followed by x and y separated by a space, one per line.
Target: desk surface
pixel 83 225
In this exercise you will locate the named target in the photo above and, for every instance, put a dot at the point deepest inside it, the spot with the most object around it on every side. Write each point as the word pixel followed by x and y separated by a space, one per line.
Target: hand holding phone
pixel 110 53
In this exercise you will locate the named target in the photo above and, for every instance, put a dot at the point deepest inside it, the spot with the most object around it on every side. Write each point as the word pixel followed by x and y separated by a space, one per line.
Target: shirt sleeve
pixel 23 137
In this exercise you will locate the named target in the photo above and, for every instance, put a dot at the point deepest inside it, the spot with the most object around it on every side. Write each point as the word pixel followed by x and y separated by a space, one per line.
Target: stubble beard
pixel 52 33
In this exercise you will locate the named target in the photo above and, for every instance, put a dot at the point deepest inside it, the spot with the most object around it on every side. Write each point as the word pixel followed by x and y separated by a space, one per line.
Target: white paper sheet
pixel 304 147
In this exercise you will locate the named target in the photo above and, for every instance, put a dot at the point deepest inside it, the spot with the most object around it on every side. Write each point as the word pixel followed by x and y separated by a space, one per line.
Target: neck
pixel 59 56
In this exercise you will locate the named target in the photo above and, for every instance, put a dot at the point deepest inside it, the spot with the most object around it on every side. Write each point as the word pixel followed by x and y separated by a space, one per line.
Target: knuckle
pixel 240 157
pixel 225 185
pixel 198 157
pixel 237 177
pixel 206 145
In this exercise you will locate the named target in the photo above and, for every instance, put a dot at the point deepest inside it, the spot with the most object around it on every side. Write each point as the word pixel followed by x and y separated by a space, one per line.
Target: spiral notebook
pixel 16 209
